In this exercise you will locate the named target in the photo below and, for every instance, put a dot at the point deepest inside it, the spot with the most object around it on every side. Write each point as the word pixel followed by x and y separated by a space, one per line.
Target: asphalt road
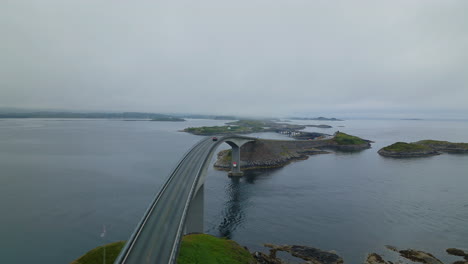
pixel 157 237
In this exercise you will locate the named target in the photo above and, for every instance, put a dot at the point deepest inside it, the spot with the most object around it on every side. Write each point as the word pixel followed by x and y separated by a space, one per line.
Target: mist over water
pixel 61 181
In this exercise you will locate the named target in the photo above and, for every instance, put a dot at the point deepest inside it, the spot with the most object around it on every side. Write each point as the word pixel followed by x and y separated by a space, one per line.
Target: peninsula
pixel 423 148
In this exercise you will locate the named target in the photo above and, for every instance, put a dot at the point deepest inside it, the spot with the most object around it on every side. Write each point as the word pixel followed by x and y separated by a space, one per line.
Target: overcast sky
pixel 262 57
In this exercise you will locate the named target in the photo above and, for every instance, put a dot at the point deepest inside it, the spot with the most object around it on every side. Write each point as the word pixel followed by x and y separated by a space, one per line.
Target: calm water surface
pixel 61 181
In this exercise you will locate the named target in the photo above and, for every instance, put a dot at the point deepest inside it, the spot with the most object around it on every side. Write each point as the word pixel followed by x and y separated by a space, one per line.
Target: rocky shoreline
pixel 408 154
pixel 317 256
pixel 262 153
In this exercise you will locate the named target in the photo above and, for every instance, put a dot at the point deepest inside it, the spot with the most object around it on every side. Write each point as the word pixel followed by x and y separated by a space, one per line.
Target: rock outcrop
pixel 407 154
pixel 309 254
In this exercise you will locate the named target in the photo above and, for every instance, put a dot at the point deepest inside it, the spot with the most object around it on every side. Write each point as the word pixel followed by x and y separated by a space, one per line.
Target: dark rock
pixel 262 258
pixel 315 255
pixel 419 256
pixel 375 258
pixel 412 154
pixel 456 252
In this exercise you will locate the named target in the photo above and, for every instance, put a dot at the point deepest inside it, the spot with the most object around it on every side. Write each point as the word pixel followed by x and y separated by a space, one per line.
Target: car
pixel 214 138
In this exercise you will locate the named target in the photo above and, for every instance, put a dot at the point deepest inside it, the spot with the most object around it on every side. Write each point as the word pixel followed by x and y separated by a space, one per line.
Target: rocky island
pixel 320 118
pixel 423 148
pixel 319 126
pixel 264 153
pixel 244 127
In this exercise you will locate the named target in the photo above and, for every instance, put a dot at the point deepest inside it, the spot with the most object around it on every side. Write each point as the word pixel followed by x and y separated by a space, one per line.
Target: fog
pixel 247 57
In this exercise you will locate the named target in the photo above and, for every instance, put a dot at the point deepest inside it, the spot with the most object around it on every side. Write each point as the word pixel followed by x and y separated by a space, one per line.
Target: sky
pixel 357 58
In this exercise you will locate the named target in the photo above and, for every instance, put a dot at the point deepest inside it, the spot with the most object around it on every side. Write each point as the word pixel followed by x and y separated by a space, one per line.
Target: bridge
pixel 178 208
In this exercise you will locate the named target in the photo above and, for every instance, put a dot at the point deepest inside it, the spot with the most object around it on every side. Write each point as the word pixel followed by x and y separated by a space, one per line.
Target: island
pixel 168 119
pixel 244 126
pixel 320 118
pixel 265 154
pixel 422 148
pixel 319 126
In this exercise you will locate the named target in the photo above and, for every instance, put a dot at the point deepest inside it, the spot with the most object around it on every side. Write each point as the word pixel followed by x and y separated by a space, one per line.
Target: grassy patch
pixel 228 156
pixel 345 139
pixel 442 144
pixel 95 256
pixel 251 123
pixel 196 248
pixel 406 147
pixel 206 249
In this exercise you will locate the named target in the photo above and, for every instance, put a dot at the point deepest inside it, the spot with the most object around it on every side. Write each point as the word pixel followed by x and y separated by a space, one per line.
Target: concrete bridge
pixel 178 208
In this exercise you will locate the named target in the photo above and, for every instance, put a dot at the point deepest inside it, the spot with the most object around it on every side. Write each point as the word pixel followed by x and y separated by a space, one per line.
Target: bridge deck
pixel 158 235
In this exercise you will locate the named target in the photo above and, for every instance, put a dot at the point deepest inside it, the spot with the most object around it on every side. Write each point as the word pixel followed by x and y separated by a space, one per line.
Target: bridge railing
pixel 131 241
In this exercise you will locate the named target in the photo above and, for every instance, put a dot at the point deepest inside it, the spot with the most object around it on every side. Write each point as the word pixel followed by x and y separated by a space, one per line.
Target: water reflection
pixel 238 200
pixel 233 212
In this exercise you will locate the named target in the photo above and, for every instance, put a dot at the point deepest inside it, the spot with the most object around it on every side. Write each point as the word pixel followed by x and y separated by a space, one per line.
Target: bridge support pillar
pixel 235 162
pixel 194 220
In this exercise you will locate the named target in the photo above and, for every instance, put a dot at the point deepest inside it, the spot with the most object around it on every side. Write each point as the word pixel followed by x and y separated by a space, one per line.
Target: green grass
pixel 432 142
pixel 207 249
pixel 406 147
pixel 95 256
pixel 195 249
pixel 442 144
pixel 345 139
pixel 228 157
pixel 250 123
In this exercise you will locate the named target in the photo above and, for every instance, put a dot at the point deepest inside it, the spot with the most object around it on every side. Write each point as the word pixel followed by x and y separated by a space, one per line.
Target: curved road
pixel 157 237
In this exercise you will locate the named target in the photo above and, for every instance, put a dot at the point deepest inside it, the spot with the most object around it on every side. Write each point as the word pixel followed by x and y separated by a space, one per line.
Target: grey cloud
pixel 260 57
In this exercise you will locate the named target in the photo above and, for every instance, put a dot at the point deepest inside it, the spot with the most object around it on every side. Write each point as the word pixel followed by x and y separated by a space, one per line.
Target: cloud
pixel 258 57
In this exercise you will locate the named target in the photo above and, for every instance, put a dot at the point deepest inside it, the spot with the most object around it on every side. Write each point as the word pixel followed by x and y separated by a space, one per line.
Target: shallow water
pixel 61 181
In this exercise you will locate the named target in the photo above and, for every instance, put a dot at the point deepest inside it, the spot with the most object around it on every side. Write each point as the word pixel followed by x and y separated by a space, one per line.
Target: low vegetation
pixel 219 130
pixel 207 249
pixel 406 147
pixel 345 139
pixel 226 155
pixel 444 145
pixel 96 256
pixel 423 148
pixel 244 127
pixel 195 248
pixel 251 123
